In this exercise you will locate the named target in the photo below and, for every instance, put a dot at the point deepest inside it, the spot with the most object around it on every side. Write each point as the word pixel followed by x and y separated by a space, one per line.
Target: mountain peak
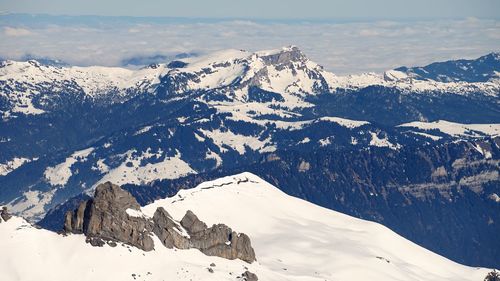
pixel 234 73
pixel 282 56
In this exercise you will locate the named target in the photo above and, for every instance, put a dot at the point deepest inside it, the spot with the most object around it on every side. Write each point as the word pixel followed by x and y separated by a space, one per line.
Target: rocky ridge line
pixel 114 215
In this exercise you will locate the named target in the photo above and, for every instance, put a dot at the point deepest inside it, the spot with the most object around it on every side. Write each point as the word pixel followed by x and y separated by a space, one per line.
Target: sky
pixel 270 9
pixel 346 37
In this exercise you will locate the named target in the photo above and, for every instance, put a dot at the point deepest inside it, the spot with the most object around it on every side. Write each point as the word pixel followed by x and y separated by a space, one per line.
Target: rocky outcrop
pixel 218 240
pixel 170 233
pixel 285 57
pixel 4 214
pixel 73 221
pixel 105 217
pixel 114 215
pixel 191 223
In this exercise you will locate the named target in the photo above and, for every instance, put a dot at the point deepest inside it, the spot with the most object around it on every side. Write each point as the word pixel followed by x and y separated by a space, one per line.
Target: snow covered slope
pixel 456 129
pixel 293 240
pixel 481 69
pixel 93 80
pixel 30 87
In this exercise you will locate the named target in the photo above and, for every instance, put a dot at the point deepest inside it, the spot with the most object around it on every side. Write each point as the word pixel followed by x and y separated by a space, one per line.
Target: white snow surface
pixel 92 79
pixel 32 203
pixel 382 142
pixel 293 240
pixel 248 111
pixel 348 123
pixel 131 171
pixel 432 137
pixel 60 174
pixel 457 129
pixel 494 197
pixel 239 143
pixel 134 213
pixel 13 164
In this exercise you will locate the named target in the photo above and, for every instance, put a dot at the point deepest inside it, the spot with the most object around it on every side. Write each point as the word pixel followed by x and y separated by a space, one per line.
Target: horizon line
pixel 257 19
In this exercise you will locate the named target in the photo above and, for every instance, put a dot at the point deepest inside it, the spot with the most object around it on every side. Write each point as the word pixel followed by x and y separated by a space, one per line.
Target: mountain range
pixel 415 148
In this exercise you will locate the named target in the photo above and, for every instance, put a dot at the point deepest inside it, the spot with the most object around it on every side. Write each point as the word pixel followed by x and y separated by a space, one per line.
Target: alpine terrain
pixel 416 149
pixel 293 240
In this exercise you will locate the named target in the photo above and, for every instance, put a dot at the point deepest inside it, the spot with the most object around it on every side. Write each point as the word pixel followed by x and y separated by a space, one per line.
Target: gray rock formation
pixel 218 240
pixel 105 219
pixel 169 231
pixel 285 58
pixel 249 276
pixel 73 221
pixel 4 214
pixel 191 223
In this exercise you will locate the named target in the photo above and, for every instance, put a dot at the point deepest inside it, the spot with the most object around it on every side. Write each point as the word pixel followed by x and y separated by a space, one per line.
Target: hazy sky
pixel 312 9
pixel 349 36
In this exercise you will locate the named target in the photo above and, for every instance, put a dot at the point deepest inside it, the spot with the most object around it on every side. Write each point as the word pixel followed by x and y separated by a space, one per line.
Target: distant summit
pixel 481 69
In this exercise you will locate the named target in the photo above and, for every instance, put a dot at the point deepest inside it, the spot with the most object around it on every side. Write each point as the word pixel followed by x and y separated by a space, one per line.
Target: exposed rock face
pixel 114 215
pixel 218 240
pixel 169 231
pixel 73 221
pixel 285 57
pixel 4 214
pixel 191 223
pixel 106 217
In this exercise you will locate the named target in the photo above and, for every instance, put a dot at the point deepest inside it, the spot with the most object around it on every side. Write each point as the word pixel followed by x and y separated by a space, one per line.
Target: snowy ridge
pixel 399 80
pixel 289 72
pixel 457 129
pixel 286 72
pixel 93 80
pixel 23 82
pixel 293 240
pixel 248 113
pixel 482 69
pixel 278 225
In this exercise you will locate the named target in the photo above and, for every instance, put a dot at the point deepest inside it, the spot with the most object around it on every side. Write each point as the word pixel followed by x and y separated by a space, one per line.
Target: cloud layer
pixel 342 47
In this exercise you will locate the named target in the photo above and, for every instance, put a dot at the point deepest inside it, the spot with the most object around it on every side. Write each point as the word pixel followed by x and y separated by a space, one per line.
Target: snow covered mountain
pixel 481 69
pixel 31 87
pixel 293 240
pixel 66 129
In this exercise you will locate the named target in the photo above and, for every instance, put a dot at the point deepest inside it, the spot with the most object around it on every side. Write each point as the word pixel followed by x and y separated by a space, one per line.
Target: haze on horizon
pixel 344 36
